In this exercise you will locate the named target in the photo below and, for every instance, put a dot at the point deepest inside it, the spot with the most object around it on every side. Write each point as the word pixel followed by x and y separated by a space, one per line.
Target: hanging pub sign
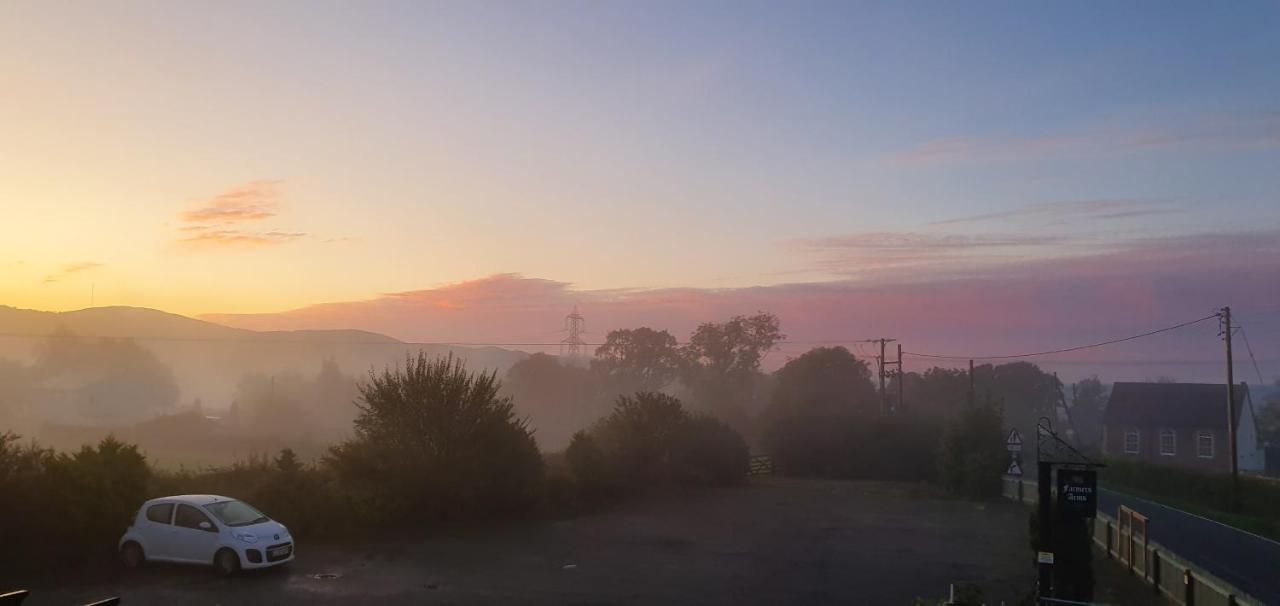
pixel 1077 493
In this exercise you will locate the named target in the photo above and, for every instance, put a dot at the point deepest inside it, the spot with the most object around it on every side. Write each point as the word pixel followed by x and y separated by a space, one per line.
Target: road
pixel 1249 562
pixel 776 541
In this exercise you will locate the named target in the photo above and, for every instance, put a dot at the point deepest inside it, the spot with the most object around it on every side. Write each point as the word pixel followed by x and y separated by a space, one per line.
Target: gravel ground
pixel 774 541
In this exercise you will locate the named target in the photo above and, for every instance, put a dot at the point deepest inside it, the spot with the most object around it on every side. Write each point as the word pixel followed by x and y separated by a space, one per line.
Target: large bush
pixel 65 507
pixel 824 421
pixel 434 440
pixel 276 487
pixel 649 440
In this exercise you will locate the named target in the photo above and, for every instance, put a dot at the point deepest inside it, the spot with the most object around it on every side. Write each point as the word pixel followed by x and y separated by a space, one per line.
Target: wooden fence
pixel 1125 538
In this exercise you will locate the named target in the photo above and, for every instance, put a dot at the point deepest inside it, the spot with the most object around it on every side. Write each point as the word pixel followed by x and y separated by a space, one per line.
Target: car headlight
pixel 247 537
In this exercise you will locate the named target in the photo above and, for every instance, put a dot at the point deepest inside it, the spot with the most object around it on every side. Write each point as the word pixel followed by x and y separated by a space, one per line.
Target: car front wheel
pixel 227 561
pixel 131 555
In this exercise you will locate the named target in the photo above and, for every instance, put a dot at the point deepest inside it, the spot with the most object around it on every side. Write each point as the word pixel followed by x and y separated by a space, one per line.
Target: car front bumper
pixel 265 556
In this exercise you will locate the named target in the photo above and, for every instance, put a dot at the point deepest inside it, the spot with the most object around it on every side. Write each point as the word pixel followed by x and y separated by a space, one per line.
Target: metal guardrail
pixel 1125 538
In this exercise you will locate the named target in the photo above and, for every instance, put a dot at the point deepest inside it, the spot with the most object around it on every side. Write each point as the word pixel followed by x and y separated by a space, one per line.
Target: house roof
pixel 1189 405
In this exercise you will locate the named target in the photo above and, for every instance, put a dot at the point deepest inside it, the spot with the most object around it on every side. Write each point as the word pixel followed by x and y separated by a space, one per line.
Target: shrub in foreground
pixel 63 507
pixel 433 441
pixel 304 496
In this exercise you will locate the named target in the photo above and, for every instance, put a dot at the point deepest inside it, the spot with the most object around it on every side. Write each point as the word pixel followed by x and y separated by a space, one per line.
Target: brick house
pixel 1179 424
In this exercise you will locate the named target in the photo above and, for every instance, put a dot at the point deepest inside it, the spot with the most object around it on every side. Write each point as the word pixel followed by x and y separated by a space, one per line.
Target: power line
pixel 1065 349
pixel 388 343
pixel 1249 349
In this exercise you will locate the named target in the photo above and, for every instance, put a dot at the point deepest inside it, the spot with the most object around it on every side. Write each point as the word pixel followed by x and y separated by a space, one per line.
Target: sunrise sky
pixel 989 176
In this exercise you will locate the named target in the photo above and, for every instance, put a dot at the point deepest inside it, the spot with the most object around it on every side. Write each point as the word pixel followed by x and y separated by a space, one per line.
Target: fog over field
pixel 163 379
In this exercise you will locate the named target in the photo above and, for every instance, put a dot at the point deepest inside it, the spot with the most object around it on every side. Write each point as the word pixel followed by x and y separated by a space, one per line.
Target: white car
pixel 205 529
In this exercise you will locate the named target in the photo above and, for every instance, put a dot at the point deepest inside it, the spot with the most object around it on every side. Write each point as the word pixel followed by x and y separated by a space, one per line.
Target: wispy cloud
pixel 1104 208
pixel 231 219
pixel 251 202
pixel 1255 132
pixel 224 237
pixel 72 269
pixel 861 253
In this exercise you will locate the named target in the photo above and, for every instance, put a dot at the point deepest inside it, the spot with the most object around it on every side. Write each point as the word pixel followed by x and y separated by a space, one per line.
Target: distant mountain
pixel 145 323
pixel 209 360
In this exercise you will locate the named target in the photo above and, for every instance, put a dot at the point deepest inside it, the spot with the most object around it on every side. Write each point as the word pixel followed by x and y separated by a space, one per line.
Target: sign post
pixel 1062 529
pixel 1013 444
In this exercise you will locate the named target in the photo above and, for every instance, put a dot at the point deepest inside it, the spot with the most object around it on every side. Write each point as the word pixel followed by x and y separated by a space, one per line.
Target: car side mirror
pixel 206 525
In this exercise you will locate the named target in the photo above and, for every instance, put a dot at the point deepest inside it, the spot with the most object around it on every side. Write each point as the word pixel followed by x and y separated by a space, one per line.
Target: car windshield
pixel 236 513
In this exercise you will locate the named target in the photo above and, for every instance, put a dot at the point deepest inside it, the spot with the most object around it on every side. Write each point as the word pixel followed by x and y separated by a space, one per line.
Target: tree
pixel 935 395
pixel 635 360
pixel 555 397
pixel 331 395
pixel 434 440
pixel 824 379
pixel 650 440
pixel 722 361
pixel 1025 393
pixel 275 403
pixel 15 386
pixel 814 411
pixel 1088 403
pixel 113 380
pixel 972 457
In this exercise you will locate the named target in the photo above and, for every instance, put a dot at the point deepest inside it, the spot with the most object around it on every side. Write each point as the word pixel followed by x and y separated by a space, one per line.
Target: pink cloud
pixel 204 237
pixel 250 202
pixel 1019 306
pixel 225 220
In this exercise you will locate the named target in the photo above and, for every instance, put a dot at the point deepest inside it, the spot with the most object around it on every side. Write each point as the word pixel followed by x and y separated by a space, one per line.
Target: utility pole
pixel 901 378
pixel 881 362
pixel 1231 411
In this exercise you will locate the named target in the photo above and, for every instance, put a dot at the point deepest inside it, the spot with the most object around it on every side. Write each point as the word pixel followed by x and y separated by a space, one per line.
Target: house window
pixel 1204 445
pixel 1132 439
pixel 1168 442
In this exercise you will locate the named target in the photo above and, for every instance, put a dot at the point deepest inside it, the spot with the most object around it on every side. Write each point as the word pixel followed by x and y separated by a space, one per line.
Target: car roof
pixel 193 499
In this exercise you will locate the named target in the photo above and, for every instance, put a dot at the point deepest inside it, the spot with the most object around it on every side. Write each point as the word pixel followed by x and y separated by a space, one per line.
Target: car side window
pixel 160 513
pixel 190 517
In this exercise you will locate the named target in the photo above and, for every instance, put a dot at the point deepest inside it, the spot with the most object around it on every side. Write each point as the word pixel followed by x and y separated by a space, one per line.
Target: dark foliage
pixel 972 457
pixel 1201 492
pixel 434 441
pixel 649 440
pixel 303 496
pixel 557 398
pixel 824 421
pixel 852 446
pixel 62 508
pixel 635 360
pixel 824 380
pixel 721 362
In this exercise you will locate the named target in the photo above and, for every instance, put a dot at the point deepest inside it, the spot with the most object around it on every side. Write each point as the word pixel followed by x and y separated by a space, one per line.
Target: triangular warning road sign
pixel 1014 441
pixel 1014 469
